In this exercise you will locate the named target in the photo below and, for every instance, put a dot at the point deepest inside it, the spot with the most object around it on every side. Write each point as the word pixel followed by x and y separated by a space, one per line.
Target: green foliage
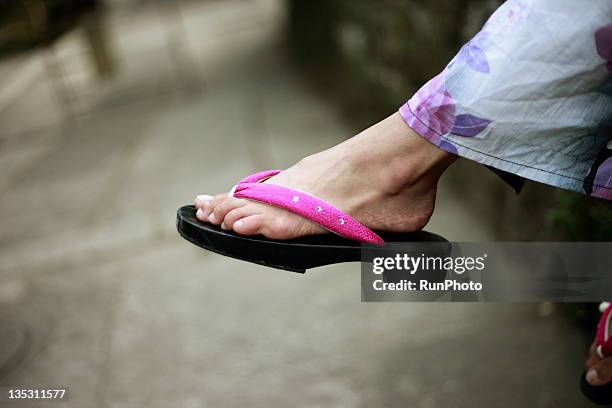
pixel 580 218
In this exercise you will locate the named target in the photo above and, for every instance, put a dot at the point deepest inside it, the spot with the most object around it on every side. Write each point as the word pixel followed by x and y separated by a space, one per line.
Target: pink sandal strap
pixel 259 176
pixel 602 338
pixel 304 205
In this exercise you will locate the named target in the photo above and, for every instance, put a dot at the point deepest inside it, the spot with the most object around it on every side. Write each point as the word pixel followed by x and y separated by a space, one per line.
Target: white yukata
pixel 530 96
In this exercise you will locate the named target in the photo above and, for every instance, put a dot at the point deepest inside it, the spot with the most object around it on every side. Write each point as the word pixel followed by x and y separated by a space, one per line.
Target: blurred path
pixel 126 314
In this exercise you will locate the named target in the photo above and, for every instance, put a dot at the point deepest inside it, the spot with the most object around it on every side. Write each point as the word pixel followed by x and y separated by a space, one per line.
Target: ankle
pixel 397 156
pixel 425 161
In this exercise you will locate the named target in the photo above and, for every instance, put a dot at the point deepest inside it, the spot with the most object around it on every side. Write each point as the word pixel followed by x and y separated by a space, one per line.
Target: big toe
pixel 273 223
pixel 224 207
pixel 251 225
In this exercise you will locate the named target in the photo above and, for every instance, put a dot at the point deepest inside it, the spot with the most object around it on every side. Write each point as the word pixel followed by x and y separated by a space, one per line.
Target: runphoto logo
pixel 412 264
pixel 486 271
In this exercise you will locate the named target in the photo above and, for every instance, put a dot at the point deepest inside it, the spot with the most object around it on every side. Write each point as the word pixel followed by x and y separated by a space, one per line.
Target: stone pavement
pixel 126 314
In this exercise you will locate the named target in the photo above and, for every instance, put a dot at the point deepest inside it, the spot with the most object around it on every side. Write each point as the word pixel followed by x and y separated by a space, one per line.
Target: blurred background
pixel 113 113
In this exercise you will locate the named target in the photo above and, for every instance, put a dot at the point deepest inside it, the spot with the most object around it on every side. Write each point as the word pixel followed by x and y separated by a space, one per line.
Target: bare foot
pixel 385 177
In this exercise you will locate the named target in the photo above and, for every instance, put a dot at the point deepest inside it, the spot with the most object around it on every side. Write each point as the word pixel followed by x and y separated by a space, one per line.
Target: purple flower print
pixel 598 183
pixel 501 23
pixel 431 111
pixel 468 125
pixel 603 43
pixel 602 184
pixel 444 145
pixel 475 57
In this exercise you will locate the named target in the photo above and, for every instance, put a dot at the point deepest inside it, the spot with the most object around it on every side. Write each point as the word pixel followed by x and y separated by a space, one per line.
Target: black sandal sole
pixel 600 395
pixel 294 255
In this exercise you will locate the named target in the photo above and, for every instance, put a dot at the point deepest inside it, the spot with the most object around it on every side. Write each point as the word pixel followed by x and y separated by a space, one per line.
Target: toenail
pixel 592 377
pixel 199 213
pixel 212 218
pixel 223 226
pixel 238 224
pixel 296 199
pixel 319 209
pixel 341 221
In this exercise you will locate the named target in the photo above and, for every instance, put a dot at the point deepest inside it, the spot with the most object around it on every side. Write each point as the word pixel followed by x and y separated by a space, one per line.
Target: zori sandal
pixel 346 244
pixel 601 394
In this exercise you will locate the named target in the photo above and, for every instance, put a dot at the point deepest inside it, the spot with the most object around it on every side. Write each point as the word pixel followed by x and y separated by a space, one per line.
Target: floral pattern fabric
pixel 530 95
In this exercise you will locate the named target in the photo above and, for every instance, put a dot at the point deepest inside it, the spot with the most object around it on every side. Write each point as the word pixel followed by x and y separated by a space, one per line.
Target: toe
pixel 201 199
pixel 218 199
pixel 238 213
pixel 209 206
pixel 200 215
pixel 206 209
pixel 279 227
pixel 225 206
pixel 268 223
pixel 250 225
